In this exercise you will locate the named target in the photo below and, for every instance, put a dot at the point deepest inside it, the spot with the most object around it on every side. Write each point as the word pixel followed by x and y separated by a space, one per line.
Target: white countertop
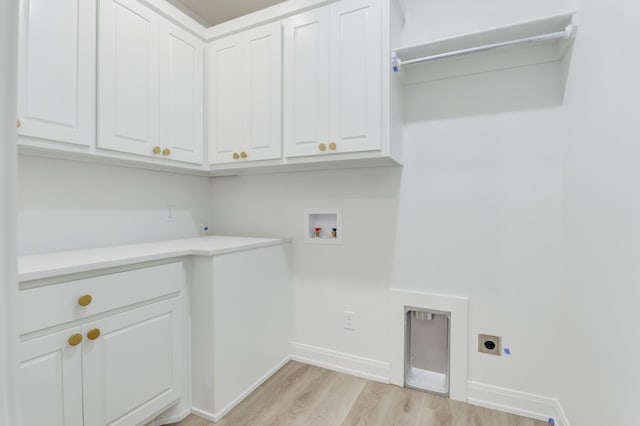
pixel 49 265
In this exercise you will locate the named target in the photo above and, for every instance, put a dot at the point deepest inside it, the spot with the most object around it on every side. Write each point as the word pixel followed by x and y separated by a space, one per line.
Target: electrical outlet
pixel 349 320
pixel 491 345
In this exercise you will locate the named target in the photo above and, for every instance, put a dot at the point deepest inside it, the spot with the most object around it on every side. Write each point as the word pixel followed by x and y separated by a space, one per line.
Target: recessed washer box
pixel 323 226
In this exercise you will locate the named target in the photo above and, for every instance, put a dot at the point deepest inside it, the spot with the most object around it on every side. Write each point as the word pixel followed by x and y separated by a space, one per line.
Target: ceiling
pixel 214 12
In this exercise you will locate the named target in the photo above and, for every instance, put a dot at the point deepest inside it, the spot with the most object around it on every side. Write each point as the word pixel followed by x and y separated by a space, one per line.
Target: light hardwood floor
pixel 304 395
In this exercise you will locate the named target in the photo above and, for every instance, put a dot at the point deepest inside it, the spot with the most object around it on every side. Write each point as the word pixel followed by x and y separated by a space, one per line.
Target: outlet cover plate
pixel 488 344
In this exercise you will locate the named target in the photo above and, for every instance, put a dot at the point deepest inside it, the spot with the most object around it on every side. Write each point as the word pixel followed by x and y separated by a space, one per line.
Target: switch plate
pixel 349 320
pixel 170 213
pixel 488 344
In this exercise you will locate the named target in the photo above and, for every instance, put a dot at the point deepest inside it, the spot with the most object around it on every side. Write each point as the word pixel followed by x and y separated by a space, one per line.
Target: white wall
pixel 602 218
pixel 475 211
pixel 328 279
pixel 8 235
pixel 65 205
pixel 520 199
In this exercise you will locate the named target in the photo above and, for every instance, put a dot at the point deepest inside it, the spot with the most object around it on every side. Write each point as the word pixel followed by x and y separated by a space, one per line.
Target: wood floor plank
pixel 304 395
pixel 441 411
pixel 297 411
pixel 269 398
pixel 332 406
pixel 386 405
pixel 194 420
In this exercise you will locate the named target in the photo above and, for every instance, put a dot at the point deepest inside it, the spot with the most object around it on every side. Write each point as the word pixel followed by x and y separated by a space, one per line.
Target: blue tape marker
pixel 395 68
pixel 551 421
pixel 507 351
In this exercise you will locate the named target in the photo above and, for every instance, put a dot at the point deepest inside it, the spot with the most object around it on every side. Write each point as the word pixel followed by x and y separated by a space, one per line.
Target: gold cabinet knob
pixel 243 155
pixel 93 334
pixel 322 147
pixel 18 124
pixel 157 150
pixel 236 156
pixel 166 152
pixel 75 339
pixel 84 300
pixel 332 146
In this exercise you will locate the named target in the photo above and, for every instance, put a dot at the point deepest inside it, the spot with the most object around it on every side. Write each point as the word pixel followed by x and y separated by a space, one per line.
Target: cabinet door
pixel 306 82
pixel 51 380
pixel 133 370
pixel 355 75
pixel 57 86
pixel 262 76
pixel 128 77
pixel 224 99
pixel 181 95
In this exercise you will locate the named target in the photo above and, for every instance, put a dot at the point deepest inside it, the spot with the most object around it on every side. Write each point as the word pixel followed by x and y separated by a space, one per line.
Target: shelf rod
pixel 566 34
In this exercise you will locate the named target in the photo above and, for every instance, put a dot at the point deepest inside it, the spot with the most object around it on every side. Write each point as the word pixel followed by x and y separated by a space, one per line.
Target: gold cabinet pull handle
pixel 236 156
pixel 84 300
pixel 75 339
pixel 332 146
pixel 18 124
pixel 243 155
pixel 157 150
pixel 166 152
pixel 322 147
pixel 93 334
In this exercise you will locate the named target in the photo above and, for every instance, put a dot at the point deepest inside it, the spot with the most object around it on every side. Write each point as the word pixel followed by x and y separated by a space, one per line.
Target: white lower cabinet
pixel 110 369
pixel 51 380
pixel 132 371
pixel 240 325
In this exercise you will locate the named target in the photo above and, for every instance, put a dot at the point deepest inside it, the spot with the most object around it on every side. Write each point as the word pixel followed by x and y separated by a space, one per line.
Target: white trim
pixel 516 402
pixel 215 417
pixel 354 365
pixel 173 419
pixel 273 13
pixel 458 338
pixel 9 411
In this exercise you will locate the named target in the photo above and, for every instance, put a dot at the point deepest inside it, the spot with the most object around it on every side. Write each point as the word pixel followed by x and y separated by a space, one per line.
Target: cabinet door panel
pixel 306 82
pixel 355 75
pixel 57 70
pixel 224 99
pixel 128 83
pixel 262 92
pixel 133 370
pixel 51 380
pixel 181 95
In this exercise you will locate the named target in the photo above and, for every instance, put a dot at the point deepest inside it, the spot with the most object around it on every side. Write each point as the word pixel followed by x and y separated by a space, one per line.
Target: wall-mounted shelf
pixel 323 226
pixel 527 43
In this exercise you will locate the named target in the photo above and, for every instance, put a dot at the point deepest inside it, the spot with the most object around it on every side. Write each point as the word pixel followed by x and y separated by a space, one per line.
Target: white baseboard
pixel 215 417
pixel 339 361
pixel 172 419
pixel 516 402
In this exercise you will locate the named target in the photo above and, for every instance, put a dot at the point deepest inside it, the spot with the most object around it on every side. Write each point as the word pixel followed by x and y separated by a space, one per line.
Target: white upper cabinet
pixel 128 77
pixel 150 84
pixel 332 79
pixel 306 82
pixel 224 99
pixel 355 75
pixel 56 70
pixel 244 96
pixel 181 95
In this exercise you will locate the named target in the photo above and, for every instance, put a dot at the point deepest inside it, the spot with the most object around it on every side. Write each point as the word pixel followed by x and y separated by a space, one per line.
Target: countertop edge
pixel 80 267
